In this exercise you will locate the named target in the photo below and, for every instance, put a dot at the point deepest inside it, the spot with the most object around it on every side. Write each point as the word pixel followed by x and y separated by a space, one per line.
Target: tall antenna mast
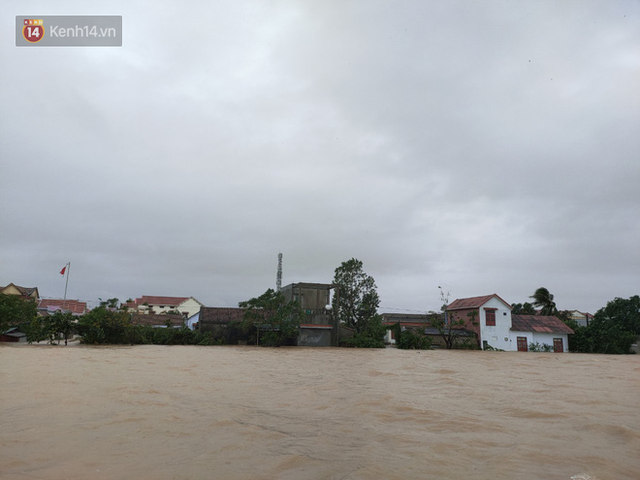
pixel 279 274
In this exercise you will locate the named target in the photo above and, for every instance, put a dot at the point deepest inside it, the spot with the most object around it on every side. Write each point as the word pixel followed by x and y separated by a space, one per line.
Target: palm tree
pixel 544 300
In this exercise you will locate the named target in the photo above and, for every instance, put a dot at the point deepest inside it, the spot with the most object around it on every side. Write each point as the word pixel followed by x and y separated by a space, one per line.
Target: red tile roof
pixel 538 323
pixel 473 302
pixel 157 320
pixel 74 306
pixel 220 315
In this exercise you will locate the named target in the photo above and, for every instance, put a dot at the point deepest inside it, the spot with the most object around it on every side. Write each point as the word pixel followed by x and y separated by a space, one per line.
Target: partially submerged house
pixel 540 329
pixel 29 294
pixel 211 318
pixel 422 324
pixel 413 321
pixel 496 327
pixel 317 330
pixel 13 335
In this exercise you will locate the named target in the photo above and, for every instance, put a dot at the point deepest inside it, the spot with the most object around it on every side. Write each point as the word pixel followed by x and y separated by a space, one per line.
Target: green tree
pixel 356 300
pixel 39 330
pixel 104 325
pixel 62 324
pixel 370 335
pixel 276 320
pixel 543 299
pixel 111 303
pixel 16 311
pixel 451 328
pixel 613 329
pixel 409 339
pixel 523 309
pixel 610 337
pixel 622 312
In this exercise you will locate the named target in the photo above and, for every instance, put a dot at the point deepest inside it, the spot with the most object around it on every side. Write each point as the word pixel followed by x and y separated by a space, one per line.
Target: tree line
pixel 272 321
pixel 613 330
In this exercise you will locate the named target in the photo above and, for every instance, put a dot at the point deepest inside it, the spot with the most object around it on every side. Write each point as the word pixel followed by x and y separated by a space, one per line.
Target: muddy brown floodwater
pixel 154 412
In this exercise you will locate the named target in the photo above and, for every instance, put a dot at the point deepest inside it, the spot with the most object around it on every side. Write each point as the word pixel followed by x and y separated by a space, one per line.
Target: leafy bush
pixel 412 340
pixel 470 343
pixel 371 336
pixel 540 347
pixel 15 311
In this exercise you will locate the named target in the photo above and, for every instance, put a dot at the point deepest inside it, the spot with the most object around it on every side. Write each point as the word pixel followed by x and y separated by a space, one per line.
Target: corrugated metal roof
pixel 538 323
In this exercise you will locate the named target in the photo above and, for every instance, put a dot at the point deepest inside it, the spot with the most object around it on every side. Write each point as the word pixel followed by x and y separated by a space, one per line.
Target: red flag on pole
pixel 63 269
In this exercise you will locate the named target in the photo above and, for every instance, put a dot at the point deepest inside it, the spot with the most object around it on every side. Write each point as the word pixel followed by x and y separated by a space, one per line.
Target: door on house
pixel 522 344
pixel 557 345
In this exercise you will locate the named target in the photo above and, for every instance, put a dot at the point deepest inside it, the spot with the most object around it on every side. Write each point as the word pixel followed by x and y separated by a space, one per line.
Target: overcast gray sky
pixel 484 146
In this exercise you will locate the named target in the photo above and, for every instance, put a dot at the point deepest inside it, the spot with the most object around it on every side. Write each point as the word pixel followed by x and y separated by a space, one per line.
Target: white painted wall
pixel 192 320
pixel 500 335
pixel 387 338
pixel 542 338
pixel 190 305
pixel 547 339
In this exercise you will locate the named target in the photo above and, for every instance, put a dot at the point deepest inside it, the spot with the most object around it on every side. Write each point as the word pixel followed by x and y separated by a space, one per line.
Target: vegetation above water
pixel 613 330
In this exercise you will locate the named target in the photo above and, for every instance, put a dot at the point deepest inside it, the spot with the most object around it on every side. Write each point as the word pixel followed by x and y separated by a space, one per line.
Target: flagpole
pixel 66 283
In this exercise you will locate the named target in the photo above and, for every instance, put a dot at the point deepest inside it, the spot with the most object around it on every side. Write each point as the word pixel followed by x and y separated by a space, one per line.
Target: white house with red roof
pixel 186 306
pixel 497 328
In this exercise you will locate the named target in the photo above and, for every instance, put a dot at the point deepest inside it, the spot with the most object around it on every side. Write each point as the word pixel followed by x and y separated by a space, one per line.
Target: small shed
pixel 13 335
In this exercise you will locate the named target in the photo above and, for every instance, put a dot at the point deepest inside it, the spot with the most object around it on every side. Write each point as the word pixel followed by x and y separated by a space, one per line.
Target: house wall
pixel 547 339
pixel 542 338
pixel 157 309
pixel 389 337
pixel 190 306
pixel 464 315
pixel 581 318
pixel 193 320
pixel 313 298
pixel 314 337
pixel 11 290
pixel 498 336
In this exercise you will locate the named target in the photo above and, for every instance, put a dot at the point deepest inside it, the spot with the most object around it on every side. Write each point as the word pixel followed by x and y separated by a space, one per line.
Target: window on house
pixel 490 317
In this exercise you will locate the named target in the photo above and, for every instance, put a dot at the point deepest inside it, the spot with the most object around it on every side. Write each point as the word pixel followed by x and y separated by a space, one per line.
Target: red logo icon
pixel 33 30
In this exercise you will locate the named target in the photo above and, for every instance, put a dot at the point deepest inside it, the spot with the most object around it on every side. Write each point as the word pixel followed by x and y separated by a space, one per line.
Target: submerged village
pixel 343 313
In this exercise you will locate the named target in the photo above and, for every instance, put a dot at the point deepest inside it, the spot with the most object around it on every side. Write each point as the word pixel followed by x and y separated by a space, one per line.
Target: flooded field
pixel 154 412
